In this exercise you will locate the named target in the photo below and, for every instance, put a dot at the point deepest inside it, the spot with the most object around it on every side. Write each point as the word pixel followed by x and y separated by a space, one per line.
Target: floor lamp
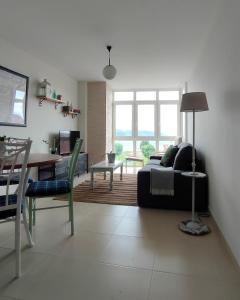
pixel 194 102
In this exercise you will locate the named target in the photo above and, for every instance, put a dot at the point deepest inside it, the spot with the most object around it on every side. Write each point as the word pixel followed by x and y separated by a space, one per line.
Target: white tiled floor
pixel 117 253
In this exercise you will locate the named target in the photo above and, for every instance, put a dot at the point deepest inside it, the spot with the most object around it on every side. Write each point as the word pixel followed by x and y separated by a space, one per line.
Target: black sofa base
pixel 182 199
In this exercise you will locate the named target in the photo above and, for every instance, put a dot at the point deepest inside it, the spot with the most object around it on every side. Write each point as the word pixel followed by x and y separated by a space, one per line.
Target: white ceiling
pixel 156 43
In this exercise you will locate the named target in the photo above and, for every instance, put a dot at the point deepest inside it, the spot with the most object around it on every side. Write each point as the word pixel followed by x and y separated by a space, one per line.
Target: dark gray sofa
pixel 182 199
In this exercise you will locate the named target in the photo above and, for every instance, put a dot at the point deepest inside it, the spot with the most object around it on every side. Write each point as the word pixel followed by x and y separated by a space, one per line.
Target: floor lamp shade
pixel 196 101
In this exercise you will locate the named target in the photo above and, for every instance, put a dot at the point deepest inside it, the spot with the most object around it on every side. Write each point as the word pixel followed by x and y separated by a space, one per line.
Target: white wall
pixel 218 131
pixel 41 121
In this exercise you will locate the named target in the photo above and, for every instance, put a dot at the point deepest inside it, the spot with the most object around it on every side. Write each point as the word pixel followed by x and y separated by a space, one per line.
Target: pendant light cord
pixel 109 57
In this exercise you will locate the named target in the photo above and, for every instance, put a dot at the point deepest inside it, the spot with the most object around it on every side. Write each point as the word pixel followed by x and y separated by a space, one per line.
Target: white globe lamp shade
pixel 109 72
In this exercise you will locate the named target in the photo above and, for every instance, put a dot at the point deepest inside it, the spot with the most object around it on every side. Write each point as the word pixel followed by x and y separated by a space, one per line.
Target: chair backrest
pixel 74 159
pixel 13 152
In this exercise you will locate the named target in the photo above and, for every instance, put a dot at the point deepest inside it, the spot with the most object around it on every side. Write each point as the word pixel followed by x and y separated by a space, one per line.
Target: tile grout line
pixel 150 285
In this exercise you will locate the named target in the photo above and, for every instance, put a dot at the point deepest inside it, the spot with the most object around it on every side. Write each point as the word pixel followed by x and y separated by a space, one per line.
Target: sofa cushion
pixel 169 156
pixel 183 159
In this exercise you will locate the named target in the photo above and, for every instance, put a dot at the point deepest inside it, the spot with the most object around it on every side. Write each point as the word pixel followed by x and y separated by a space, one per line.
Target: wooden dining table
pixel 36 160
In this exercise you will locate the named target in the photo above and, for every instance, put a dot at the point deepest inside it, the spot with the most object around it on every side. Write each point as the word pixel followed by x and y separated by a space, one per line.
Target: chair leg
pixel 30 215
pixel 34 212
pixel 29 237
pixel 18 242
pixel 71 218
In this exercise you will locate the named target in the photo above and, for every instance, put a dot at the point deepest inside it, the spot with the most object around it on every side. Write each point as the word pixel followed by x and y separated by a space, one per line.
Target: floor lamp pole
pixel 194 226
pixel 193 168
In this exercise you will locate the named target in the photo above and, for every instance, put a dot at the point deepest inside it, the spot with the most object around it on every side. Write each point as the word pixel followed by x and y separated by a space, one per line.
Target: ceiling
pixel 156 43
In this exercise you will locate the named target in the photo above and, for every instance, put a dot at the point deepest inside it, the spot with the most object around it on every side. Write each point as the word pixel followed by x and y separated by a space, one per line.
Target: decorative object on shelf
pixel 47 93
pixel 13 98
pixel 109 71
pixel 69 110
pixel 54 94
pixel 194 102
pixel 44 89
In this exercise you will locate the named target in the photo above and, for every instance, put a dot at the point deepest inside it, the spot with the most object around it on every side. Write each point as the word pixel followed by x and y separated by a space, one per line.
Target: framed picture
pixel 13 98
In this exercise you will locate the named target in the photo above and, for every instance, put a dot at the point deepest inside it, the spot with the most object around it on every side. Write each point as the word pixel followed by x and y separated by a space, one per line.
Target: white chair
pixel 14 152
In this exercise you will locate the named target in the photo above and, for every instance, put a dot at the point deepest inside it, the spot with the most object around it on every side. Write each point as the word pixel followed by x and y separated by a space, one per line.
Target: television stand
pixel 59 169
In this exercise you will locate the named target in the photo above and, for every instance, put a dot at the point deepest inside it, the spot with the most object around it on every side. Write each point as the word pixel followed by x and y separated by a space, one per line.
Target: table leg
pixel 92 179
pixel 111 181
pixel 104 176
pixel 121 172
pixel 126 166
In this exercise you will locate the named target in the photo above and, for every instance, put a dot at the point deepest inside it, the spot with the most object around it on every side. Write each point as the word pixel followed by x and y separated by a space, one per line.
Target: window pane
pixel 124 120
pixel 163 145
pixel 123 149
pixel 123 96
pixel 145 149
pixel 146 120
pixel 168 95
pixel 146 95
pixel 168 120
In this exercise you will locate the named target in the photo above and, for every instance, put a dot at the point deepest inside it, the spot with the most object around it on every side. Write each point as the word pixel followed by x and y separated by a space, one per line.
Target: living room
pixel 161 50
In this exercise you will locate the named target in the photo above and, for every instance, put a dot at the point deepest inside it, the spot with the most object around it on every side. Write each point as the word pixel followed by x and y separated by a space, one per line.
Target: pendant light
pixel 109 71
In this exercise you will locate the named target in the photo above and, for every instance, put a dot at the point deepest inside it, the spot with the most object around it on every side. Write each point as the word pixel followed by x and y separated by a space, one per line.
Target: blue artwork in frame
pixel 13 98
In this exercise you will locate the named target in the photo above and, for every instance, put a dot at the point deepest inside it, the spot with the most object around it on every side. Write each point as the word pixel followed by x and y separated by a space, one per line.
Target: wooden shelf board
pixel 43 98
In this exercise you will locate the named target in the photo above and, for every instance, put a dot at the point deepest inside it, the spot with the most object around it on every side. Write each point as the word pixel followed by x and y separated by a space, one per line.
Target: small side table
pixel 194 226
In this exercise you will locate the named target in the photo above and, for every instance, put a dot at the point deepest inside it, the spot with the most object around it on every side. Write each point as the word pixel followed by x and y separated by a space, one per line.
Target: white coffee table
pixel 105 166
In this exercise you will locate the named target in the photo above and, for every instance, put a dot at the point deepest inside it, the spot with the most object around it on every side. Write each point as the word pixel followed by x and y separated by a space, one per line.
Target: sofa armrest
pixel 159 157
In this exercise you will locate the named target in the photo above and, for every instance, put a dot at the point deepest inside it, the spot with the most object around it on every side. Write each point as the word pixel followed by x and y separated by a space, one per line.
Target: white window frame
pixel 157 137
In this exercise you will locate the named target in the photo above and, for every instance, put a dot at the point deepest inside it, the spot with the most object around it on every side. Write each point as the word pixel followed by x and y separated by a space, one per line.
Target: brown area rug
pixel 124 191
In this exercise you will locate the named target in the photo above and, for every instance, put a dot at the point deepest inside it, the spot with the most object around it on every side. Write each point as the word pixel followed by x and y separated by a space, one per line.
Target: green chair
pixel 43 189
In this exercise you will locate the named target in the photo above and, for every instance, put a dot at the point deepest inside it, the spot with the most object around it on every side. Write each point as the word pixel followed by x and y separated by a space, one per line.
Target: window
pixel 168 120
pixel 123 120
pixel 123 96
pixel 145 95
pixel 145 122
pixel 145 116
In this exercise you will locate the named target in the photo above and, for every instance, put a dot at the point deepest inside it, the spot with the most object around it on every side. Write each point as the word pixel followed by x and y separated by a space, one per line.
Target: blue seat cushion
pixel 48 188
pixel 12 199
pixel 14 180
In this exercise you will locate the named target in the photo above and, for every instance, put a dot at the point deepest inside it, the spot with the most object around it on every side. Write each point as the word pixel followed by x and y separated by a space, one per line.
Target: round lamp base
pixel 194 227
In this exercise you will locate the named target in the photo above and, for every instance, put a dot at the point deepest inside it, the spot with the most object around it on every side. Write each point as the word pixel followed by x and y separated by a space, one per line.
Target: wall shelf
pixel 47 99
pixel 71 113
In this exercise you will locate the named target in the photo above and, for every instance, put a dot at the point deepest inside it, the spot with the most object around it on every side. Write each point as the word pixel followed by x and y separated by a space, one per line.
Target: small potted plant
pixel 53 147
pixel 111 157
